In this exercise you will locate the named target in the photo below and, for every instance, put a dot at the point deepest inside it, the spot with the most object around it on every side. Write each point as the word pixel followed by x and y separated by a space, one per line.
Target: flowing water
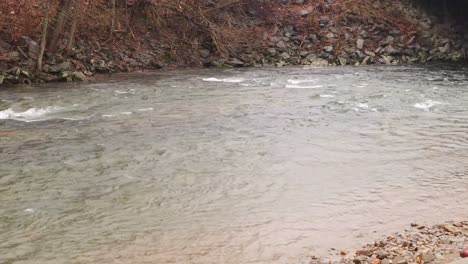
pixel 229 166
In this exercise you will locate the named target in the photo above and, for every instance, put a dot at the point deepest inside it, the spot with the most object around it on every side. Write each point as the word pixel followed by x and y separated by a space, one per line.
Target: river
pixel 267 165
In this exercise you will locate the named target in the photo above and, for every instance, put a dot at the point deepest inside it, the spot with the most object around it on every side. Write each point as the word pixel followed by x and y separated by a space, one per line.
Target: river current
pixel 268 165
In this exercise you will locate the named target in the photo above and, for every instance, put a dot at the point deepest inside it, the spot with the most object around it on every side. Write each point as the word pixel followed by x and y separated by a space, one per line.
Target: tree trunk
pixel 64 8
pixel 112 28
pixel 45 24
pixel 71 35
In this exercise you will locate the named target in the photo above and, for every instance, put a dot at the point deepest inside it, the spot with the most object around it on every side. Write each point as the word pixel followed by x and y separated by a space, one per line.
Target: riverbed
pixel 267 165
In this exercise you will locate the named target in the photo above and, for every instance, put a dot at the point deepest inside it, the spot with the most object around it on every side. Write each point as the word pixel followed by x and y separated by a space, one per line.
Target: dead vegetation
pixel 224 27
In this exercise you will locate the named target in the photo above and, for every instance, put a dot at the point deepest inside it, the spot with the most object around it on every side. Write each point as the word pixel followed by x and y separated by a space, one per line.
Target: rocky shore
pixel 416 245
pixel 331 37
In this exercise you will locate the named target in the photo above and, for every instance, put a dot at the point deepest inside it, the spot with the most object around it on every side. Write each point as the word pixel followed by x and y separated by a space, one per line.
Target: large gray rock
pixel 204 53
pixel 79 77
pixel 61 67
pixel 33 49
pixel 285 56
pixel 306 11
pixel 272 51
pixel 281 45
pixel 360 43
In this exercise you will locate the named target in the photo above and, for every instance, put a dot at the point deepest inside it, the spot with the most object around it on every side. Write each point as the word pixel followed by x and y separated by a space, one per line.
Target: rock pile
pixel 417 245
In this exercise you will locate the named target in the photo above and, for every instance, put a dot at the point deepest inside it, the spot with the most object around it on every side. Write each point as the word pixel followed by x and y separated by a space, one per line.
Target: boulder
pixel 79 76
pixel 281 45
pixel 204 53
pixel 306 11
pixel 360 43
pixel 236 62
pixel 285 56
pixel 64 66
pixel 33 49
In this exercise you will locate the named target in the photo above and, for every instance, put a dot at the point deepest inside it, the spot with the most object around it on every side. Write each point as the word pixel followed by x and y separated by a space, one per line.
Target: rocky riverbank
pixel 417 245
pixel 303 33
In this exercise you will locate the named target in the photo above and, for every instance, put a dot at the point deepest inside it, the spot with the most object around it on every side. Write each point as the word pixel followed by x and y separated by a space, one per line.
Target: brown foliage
pixel 184 26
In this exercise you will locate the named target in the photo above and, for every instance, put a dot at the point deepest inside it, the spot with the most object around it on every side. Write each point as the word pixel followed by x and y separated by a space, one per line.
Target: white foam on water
pixel 302 81
pixel 327 96
pixel 131 91
pixel 108 115
pixel 126 113
pixel 363 105
pixel 427 105
pixel 29 210
pixel 226 80
pixel 30 115
pixel 145 109
pixel 295 86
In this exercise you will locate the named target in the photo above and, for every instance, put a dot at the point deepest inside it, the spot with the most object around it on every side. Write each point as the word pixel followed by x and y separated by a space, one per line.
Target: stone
pixel 330 35
pixel 2 78
pixel 328 48
pixel 306 11
pixel 79 76
pixel 391 50
pixel 369 53
pixel 319 63
pixel 450 228
pixel 366 60
pixel 385 261
pixel 64 66
pixel 399 260
pixel 360 43
pixel 389 40
pixel 285 55
pixel 427 257
pixel 375 261
pixel 360 260
pixel 343 61
pixel 33 49
pixel 304 53
pixel 364 252
pixel 236 62
pixel 204 53
pixel 281 45
pixel 25 73
pixel 272 51
pixel 382 254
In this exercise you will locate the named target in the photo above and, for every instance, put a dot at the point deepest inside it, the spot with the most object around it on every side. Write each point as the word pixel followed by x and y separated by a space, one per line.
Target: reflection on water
pixel 229 166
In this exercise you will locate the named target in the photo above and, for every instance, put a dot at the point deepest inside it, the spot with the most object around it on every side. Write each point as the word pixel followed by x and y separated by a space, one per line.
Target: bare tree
pixel 59 24
pixel 71 34
pixel 45 24
pixel 112 28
